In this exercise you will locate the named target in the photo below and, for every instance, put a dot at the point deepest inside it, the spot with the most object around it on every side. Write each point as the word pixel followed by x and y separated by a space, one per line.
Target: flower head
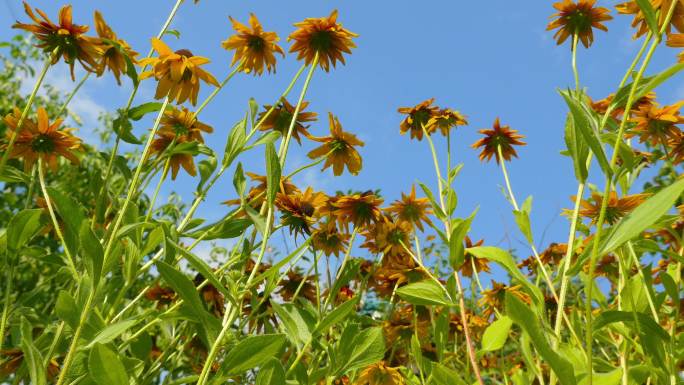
pixel 298 283
pixel 492 300
pixel 418 116
pixel 178 73
pixel 338 148
pixel 358 209
pixel 65 39
pixel 446 119
pixel 41 140
pixel 616 209
pixel 656 125
pixel 329 239
pixel 411 209
pixel 677 40
pixel 323 36
pixel 578 19
pixel 379 374
pixel 472 264
pixel 254 47
pixel 388 237
pixel 117 55
pixel 661 7
pixel 280 118
pixel 183 122
pixel 499 136
pixel 676 148
pixel 299 210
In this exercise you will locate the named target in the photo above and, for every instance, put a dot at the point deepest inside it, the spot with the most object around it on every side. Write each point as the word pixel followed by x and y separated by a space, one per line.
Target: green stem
pixel 218 89
pixel 606 193
pixel 6 303
pixel 73 347
pixel 347 254
pixel 31 186
pixel 72 94
pixel 574 61
pixel 165 172
pixel 24 112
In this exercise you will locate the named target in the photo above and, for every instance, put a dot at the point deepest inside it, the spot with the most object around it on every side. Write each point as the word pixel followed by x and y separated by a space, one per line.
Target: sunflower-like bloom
pixel 300 210
pixel 177 127
pixel 578 19
pixel 388 237
pixel 329 239
pixel 601 106
pixel 551 256
pixel 411 209
pixel 257 194
pixel 280 118
pixel 656 125
pixel 418 116
pixel 338 148
pixel 323 36
pixel 117 55
pixel 65 39
pixel 254 47
pixel 663 6
pixel 379 374
pixel 290 285
pixel 677 40
pixel 471 262
pixel 161 295
pixel 178 73
pixel 676 148
pixel 41 140
pixel 358 209
pixel 492 300
pixel 499 136
pixel 617 207
pixel 446 119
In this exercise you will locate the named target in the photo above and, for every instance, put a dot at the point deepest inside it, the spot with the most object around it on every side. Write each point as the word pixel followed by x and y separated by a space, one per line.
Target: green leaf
pixel 252 352
pixel 223 229
pixel 649 14
pixel 586 124
pixel 105 367
pixel 338 314
pixel 577 148
pixel 32 356
pixel 523 316
pixel 91 252
pixel 272 173
pixel 253 110
pixel 67 309
pixel 23 227
pixel 613 377
pixel 645 322
pixel 451 202
pixel 643 216
pixel 257 219
pixel 111 332
pixel 443 375
pixel 645 86
pixel 431 197
pixel 173 32
pixel 124 129
pixel 293 321
pixel 206 169
pixel 268 137
pixel 271 373
pixel 131 72
pixel 505 260
pixel 364 348
pixel 204 269
pixel 522 219
pixel 460 229
pixel 495 335
pixel 138 112
pixel 239 180
pixel 235 143
pixel 71 214
pixel 426 292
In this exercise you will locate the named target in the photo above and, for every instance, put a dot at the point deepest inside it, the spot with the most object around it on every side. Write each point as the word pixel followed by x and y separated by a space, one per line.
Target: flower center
pixel 256 43
pixel 184 52
pixel 43 143
pixel 321 41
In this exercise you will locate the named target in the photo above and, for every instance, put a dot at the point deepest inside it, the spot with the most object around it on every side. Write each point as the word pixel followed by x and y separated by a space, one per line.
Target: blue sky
pixel 485 59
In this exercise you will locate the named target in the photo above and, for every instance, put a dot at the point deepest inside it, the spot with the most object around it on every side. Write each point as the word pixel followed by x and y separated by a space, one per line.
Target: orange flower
pixel 656 125
pixel 676 148
pixel 481 264
pixel 178 73
pixel 64 39
pixel 183 122
pixel 254 47
pixel 661 7
pixel 418 116
pixel 358 209
pixel 323 36
pixel 291 285
pixel 617 207
pixel 338 148
pixel 492 300
pixel 299 210
pixel 329 239
pixel 578 19
pixel 677 40
pixel 411 209
pixel 379 374
pixel 117 55
pixel 388 237
pixel 41 140
pixel 499 136
pixel 280 118
pixel 446 119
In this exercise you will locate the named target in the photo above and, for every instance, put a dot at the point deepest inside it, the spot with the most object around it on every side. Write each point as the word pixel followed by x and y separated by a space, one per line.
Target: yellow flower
pixel 254 47
pixel 299 210
pixel 65 39
pixel 677 40
pixel 411 209
pixel 656 125
pixel 446 119
pixel 661 7
pixel 617 207
pixel 578 19
pixel 379 374
pixel 41 140
pixel 117 55
pixel 418 116
pixel 323 36
pixel 338 148
pixel 358 209
pixel 499 136
pixel 279 119
pixel 178 73
pixel 329 239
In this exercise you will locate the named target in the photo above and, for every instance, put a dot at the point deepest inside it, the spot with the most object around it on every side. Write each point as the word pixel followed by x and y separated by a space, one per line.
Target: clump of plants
pixel 102 284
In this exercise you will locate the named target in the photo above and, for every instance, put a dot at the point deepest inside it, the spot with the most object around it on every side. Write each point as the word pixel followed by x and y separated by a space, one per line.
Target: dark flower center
pixel 43 143
pixel 321 41
pixel 579 21
pixel 184 52
pixel 420 118
pixel 256 43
